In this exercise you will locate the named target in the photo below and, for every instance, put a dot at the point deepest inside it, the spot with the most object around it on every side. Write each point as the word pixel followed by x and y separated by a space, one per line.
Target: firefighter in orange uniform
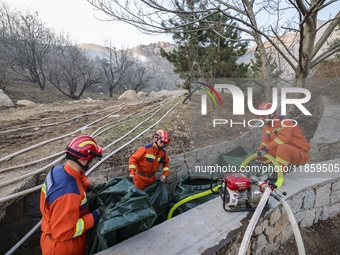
pixel 63 204
pixel 143 164
pixel 283 140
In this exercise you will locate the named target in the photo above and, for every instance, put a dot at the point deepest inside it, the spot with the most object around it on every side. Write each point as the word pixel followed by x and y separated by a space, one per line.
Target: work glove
pixel 262 151
pixel 100 210
pixel 98 213
pixel 162 178
pixel 95 187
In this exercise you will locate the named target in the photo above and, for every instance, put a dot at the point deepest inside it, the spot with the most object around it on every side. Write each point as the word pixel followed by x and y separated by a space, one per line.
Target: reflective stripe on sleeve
pixel 278 141
pixel 84 200
pixel 282 161
pixel 79 228
pixel 43 189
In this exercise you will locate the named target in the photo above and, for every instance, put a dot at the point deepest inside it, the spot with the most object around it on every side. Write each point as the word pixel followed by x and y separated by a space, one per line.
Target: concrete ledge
pixel 208 229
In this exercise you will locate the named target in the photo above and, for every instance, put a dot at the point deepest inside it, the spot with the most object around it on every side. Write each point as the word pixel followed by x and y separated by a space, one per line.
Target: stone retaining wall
pixel 309 205
pixel 326 140
pixel 324 151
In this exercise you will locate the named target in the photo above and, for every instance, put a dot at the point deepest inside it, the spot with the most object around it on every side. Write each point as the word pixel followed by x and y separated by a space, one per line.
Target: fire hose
pixel 190 198
pixel 268 190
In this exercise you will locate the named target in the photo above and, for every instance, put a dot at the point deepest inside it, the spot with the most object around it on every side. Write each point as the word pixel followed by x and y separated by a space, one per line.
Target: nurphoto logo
pixel 238 104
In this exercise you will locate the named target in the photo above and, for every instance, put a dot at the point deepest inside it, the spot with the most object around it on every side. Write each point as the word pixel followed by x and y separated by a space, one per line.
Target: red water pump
pixel 238 193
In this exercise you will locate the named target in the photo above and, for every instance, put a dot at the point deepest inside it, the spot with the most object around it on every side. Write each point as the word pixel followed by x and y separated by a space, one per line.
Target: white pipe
pixel 32 162
pixel 256 215
pixel 19 194
pixel 61 122
pixel 56 138
pixel 2 184
pixel 253 221
pixel 24 239
pixel 296 231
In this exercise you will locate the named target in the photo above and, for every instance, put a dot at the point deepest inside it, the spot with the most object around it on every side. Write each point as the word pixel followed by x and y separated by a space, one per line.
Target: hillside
pixel 290 40
pixel 149 54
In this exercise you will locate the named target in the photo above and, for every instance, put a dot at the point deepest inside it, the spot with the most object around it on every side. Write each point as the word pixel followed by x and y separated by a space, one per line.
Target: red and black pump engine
pixel 238 193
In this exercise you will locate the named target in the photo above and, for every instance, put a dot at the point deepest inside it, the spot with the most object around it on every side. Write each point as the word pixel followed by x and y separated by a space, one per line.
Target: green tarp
pixel 129 211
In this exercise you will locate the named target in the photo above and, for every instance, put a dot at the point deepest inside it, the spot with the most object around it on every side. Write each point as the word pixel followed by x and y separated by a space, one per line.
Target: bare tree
pixel 70 69
pixel 4 72
pixel 137 78
pixel 27 42
pixel 115 67
pixel 4 57
pixel 296 17
pixel 162 79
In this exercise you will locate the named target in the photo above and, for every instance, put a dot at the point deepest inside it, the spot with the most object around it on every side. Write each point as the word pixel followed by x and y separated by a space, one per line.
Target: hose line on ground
pixel 16 246
pixel 190 198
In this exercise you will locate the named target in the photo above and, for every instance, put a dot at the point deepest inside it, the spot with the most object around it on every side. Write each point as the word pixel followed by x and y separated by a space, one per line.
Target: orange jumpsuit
pixel 143 164
pixel 286 144
pixel 65 212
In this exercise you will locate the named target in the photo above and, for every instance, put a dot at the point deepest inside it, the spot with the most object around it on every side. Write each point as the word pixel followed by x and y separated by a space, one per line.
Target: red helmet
pixel 264 106
pixel 84 147
pixel 163 135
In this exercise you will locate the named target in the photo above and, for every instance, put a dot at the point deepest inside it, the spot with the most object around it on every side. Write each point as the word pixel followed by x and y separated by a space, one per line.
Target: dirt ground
pixel 320 239
pixel 22 127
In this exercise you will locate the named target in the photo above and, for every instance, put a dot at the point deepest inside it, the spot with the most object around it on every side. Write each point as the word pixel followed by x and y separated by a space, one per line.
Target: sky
pixel 77 18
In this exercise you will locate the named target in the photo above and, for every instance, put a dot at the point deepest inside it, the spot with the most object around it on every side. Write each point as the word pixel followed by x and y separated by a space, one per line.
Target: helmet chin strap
pixel 75 159
pixel 272 116
pixel 156 142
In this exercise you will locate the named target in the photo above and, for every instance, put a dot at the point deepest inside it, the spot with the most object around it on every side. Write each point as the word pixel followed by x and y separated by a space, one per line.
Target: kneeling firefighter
pixel 283 140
